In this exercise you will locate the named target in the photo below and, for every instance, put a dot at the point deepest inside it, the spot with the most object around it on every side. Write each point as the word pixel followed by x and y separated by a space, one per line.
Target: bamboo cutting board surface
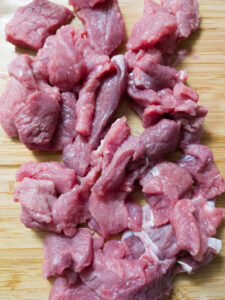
pixel 21 254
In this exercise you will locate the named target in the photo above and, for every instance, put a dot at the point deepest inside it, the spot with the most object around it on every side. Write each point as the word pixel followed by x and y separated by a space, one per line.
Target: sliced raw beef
pixel 79 4
pixel 194 223
pixel 114 138
pixel 186 227
pixel 36 120
pixel 66 66
pixel 156 244
pixel 164 185
pixel 62 289
pixel 86 102
pixel 34 22
pixel 208 216
pixel 111 214
pixel 78 154
pixel 105 26
pixel 34 106
pixel 198 161
pixel 162 25
pixel 186 13
pixel 63 253
pixel 113 276
pixel 114 173
pixel 65 131
pixel 161 139
pixel 63 178
pixel 50 199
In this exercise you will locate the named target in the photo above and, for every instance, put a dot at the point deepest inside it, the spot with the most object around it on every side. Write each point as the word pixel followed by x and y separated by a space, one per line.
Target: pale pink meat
pixel 198 161
pixel 34 22
pixel 63 178
pixel 164 185
pixel 162 24
pixel 63 253
pixel 79 4
pixel 187 15
pixel 105 26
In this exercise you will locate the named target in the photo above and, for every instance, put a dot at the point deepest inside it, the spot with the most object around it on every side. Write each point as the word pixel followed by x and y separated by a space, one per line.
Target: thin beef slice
pixel 34 22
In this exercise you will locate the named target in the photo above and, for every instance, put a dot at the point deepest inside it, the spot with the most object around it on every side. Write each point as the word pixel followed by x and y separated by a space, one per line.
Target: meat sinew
pixel 34 22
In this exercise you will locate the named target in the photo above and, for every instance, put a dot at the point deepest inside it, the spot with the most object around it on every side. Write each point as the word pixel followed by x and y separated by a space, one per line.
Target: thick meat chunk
pixel 164 185
pixel 160 139
pixel 70 210
pixel 79 4
pixel 63 178
pixel 67 206
pixel 162 24
pixel 198 161
pixel 37 120
pixel 62 289
pixel 63 253
pixel 66 66
pixel 36 198
pixel 34 106
pixel 187 15
pixel 34 22
pixel 105 26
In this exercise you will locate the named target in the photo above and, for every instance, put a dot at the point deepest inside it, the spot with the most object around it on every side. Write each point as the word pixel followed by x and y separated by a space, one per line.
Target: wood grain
pixel 21 253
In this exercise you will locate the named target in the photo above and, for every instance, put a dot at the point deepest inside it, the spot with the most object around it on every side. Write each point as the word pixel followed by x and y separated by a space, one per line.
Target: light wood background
pixel 21 253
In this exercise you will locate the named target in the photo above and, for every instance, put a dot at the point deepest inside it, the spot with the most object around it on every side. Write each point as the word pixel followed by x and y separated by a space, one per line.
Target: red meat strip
pixel 33 23
pixel 186 227
pixel 63 178
pixel 198 161
pixel 63 253
pixel 187 15
pixel 62 289
pixel 105 26
pixel 86 102
pixel 78 154
pixel 117 134
pixel 65 131
pixel 194 223
pixel 160 139
pixel 164 185
pixel 79 4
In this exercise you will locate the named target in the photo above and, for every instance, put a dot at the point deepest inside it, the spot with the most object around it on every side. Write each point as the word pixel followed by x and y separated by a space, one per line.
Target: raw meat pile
pixel 63 99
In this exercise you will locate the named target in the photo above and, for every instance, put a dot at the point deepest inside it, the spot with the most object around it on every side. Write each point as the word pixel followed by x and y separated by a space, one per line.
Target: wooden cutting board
pixel 21 254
